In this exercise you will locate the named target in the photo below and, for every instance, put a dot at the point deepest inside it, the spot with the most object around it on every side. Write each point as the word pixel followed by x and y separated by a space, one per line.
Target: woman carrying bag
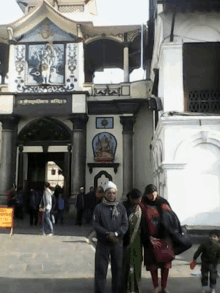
pixel 161 235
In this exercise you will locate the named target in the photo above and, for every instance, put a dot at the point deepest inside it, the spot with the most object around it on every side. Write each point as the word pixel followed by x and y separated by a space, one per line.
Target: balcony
pixel 107 92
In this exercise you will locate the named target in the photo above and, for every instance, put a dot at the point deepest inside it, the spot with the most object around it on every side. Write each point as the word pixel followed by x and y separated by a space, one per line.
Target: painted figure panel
pixel 104 147
pixel 46 64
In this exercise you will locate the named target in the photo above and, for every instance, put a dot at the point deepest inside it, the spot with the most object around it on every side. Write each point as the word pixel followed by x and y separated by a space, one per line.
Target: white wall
pixel 190 167
pixel 143 132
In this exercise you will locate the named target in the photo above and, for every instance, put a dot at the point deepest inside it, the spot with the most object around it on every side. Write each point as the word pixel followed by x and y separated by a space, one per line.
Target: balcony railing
pixel 206 101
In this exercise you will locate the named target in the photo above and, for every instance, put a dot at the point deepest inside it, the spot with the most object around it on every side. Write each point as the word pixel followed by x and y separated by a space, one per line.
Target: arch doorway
pixel 39 142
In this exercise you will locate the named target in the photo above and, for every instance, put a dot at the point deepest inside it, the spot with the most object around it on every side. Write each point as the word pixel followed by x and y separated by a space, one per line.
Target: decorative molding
pixel 107 91
pixel 94 37
pixel 128 123
pixel 79 121
pixel 103 165
pixel 173 166
pixel 9 122
pixel 131 35
pixel 204 136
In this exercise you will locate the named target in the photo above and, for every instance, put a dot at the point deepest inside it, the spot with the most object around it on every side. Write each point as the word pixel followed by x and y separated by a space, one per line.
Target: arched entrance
pixel 40 141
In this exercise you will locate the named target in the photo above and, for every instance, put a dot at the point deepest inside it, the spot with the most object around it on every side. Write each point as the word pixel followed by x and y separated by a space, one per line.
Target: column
pixel 171 77
pixel 78 164
pixel 20 166
pixel 7 171
pixel 126 62
pixel 67 160
pixel 127 122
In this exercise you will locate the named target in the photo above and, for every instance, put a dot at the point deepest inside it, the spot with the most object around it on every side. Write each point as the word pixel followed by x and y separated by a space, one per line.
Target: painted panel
pixel 46 64
pixel 47 31
pixel 104 122
pixel 104 147
pixel 48 68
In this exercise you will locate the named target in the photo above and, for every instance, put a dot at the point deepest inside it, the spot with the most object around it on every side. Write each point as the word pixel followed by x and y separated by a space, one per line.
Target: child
pixel 210 256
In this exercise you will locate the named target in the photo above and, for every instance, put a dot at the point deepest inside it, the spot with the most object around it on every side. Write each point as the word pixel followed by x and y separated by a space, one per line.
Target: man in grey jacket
pixel 47 204
pixel 110 223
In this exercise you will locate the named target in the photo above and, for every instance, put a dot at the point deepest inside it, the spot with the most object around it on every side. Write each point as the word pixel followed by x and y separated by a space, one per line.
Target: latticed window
pixel 206 101
pixel 71 8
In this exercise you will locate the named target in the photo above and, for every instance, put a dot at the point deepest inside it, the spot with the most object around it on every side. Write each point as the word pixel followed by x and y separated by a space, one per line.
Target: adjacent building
pixel 184 37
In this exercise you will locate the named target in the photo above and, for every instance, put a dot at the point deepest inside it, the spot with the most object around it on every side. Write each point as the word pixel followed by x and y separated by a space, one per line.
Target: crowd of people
pixel 143 229
pixel 45 207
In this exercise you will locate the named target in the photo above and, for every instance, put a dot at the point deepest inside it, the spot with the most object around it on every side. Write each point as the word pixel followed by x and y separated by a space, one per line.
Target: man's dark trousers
pixel 205 269
pixel 79 216
pixel 103 251
pixel 33 216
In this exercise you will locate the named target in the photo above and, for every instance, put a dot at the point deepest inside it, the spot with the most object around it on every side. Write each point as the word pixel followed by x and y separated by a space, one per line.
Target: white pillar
pixel 171 77
pixel 11 69
pixel 126 62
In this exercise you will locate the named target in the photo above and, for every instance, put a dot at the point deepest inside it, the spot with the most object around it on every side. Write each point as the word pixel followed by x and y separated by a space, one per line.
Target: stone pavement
pixel 65 262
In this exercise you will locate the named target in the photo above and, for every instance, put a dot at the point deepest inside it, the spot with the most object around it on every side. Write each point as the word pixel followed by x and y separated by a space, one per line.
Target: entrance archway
pixel 50 137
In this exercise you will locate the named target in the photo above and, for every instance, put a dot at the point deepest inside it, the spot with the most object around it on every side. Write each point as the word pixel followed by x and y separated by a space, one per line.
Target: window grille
pixel 71 8
pixel 207 101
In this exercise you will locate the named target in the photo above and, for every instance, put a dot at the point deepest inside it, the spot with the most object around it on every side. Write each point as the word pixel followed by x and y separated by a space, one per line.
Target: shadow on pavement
pixel 85 285
pixel 67 229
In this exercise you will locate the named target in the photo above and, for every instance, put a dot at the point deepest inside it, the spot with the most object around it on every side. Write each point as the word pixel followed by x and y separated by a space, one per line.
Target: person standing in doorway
pixel 47 204
pixel 90 204
pixel 80 205
pixel 110 223
pixel 19 204
pixel 34 206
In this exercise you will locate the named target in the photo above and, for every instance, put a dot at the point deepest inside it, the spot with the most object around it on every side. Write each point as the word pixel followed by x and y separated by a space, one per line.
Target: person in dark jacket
pixel 34 207
pixel 90 203
pixel 210 255
pixel 19 203
pixel 80 206
pixel 160 225
pixel 110 223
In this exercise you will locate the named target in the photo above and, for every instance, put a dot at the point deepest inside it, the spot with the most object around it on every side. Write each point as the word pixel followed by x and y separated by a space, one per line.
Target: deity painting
pixel 104 146
pixel 46 64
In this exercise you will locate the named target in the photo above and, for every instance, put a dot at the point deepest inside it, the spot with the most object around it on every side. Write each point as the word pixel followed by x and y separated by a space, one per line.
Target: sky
pixel 113 11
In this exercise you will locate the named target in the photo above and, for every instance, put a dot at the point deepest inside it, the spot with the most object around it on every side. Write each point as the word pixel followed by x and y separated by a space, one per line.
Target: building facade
pixel 51 110
pixel 162 129
pixel 185 48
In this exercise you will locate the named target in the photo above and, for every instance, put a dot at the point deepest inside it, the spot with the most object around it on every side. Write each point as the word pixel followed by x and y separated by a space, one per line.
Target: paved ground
pixel 65 262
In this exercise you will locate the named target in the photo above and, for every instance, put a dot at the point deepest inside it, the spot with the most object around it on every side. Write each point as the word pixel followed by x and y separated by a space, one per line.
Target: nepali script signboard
pixel 7 218
pixel 43 105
